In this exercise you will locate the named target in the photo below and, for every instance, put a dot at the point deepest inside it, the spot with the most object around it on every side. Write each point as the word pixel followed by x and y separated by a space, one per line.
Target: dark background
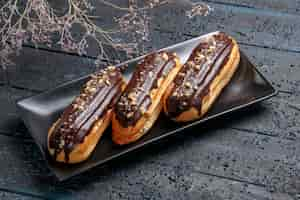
pixel 254 154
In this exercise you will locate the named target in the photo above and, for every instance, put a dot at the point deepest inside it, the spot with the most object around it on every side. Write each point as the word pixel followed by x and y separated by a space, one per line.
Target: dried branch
pixel 36 22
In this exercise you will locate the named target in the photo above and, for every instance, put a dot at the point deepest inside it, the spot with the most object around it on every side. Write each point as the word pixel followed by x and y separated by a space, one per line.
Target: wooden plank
pixel 9 196
pixel 258 159
pixel 10 123
pixel 217 163
pixel 248 25
pixel 2 80
pixel 277 117
pixel 289 6
pixel 41 70
pixel 21 162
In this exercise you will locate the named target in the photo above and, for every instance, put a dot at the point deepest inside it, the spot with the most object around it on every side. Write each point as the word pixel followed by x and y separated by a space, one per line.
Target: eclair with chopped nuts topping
pixel 202 78
pixel 74 136
pixel 141 103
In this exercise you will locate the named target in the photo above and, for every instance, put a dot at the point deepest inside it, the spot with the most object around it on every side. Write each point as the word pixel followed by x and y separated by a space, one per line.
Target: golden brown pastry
pixel 202 78
pixel 73 137
pixel 140 104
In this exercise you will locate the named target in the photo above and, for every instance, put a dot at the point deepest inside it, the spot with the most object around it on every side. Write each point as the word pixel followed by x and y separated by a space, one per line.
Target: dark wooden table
pixel 254 154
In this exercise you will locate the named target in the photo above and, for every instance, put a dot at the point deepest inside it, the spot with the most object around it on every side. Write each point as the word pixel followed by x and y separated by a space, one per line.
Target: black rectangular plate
pixel 247 87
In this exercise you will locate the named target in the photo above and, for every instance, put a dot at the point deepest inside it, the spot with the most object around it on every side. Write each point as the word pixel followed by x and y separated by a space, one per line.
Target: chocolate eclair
pixel 141 103
pixel 73 137
pixel 202 78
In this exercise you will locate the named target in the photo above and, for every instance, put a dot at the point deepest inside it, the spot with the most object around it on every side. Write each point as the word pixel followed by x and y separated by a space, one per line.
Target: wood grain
pixel 251 26
pixel 247 25
pixel 11 195
pixel 40 70
pixel 288 6
pixel 222 157
pixel 253 154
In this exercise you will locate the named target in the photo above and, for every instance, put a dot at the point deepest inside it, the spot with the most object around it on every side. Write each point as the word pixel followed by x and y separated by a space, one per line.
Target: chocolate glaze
pixel 136 99
pixel 193 81
pixel 98 95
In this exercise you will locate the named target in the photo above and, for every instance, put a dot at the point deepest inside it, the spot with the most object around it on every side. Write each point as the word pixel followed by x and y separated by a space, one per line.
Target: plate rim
pixel 22 108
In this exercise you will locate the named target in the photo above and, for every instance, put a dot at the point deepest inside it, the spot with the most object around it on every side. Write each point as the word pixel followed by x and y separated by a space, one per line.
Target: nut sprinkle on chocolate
pixel 96 96
pixel 191 83
pixel 136 98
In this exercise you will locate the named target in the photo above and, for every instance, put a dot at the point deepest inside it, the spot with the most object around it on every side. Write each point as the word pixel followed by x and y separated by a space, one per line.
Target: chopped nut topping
pixel 91 89
pixel 133 103
pixel 188 85
pixel 179 93
pixel 61 144
pixel 107 82
pixel 89 83
pixel 181 74
pixel 197 67
pixel 213 42
pixel 209 60
pixel 211 49
pixel 143 110
pixel 165 56
pixel 132 96
pixel 157 60
pixel 100 81
pixel 190 63
pixel 93 76
pixel 103 72
pixel 130 114
pixel 81 107
pixel 200 55
pixel 198 59
pixel 140 89
pixel 187 93
pixel 75 106
pixel 110 68
pixel 175 94
pixel 150 74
